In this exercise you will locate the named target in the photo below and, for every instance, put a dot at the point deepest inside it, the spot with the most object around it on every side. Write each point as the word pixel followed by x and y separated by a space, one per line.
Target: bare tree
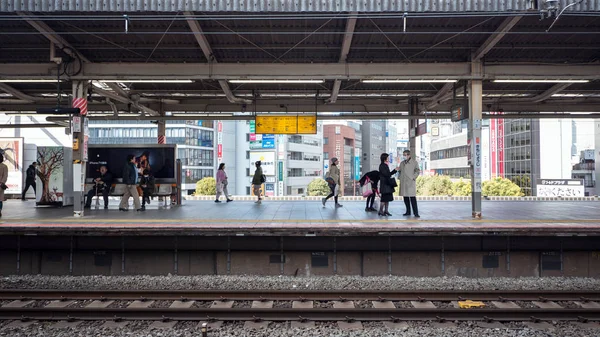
pixel 50 159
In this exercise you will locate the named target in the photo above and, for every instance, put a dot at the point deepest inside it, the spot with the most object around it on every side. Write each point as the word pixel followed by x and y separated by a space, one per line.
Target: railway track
pixel 305 306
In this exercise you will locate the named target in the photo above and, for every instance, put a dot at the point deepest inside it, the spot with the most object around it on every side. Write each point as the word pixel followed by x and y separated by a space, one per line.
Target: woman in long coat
pixel 409 171
pixel 3 179
pixel 387 184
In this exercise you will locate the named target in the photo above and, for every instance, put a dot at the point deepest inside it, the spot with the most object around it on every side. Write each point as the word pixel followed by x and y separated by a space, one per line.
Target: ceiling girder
pixel 326 71
pixel 493 40
pixel 365 106
pixel 210 57
pixel 347 42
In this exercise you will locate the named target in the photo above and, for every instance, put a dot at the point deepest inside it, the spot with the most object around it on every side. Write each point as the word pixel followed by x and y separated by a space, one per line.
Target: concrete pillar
pixel 162 132
pixel 413 110
pixel 80 145
pixel 475 114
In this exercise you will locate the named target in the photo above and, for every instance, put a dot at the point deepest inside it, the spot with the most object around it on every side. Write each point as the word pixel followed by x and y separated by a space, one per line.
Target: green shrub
pixel 500 187
pixel 318 187
pixel 461 188
pixel 434 186
pixel 206 186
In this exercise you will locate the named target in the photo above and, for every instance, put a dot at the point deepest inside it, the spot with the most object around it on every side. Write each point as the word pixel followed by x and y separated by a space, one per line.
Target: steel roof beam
pixel 350 24
pixel 21 95
pixel 325 71
pixel 51 35
pixel 443 95
pixel 555 89
pixel 493 40
pixel 210 57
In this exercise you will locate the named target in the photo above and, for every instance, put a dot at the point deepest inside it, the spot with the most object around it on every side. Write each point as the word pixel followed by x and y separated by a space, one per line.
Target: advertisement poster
pixel 159 160
pixel 267 159
pixel 50 174
pixel 12 150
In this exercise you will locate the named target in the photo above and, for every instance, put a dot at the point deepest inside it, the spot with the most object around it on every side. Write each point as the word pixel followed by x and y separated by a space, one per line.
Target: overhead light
pixel 542 81
pixel 145 81
pixel 409 81
pixel 28 81
pixel 275 81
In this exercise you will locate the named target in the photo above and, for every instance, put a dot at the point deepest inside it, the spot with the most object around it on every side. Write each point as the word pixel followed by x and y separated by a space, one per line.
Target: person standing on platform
pixel 130 179
pixel 30 175
pixel 222 183
pixel 3 180
pixel 387 184
pixel 257 180
pixel 102 185
pixel 147 186
pixel 333 179
pixel 409 171
pixel 373 178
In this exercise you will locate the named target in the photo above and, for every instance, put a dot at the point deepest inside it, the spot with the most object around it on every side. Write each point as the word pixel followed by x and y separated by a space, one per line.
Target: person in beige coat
pixel 3 179
pixel 409 171
pixel 333 179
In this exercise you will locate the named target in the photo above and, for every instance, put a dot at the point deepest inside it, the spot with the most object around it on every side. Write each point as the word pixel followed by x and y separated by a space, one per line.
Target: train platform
pixel 306 218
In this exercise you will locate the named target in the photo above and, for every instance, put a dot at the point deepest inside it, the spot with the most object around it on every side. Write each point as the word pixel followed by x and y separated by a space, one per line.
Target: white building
pixel 290 162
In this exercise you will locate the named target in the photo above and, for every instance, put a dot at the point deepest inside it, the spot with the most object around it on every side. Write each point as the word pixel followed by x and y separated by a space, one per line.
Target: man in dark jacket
pixel 102 185
pixel 30 179
pixel 130 179
pixel 147 185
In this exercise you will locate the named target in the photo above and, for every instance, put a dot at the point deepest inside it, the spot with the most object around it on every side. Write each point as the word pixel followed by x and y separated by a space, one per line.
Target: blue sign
pixel 356 168
pixel 268 141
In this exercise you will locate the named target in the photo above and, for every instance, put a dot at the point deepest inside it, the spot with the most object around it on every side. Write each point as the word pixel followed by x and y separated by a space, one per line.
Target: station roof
pixel 342 50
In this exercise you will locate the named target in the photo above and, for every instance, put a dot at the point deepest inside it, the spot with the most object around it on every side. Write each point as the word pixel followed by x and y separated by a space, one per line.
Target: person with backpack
pixel 372 179
pixel 333 179
pixel 30 179
pixel 257 180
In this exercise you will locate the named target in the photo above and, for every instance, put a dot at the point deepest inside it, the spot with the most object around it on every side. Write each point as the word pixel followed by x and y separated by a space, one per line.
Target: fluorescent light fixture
pixel 275 81
pixel 542 81
pixel 409 81
pixel 27 81
pixel 145 81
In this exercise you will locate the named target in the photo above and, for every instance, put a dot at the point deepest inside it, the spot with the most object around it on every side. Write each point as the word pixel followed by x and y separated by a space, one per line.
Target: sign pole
pixel 475 114
pixel 80 145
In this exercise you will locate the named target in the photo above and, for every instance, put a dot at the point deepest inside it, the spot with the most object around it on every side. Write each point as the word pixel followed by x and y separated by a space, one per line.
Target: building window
pixel 325 155
pixel 247 154
pixel 247 137
pixel 247 190
pixel 325 140
pixel 247 172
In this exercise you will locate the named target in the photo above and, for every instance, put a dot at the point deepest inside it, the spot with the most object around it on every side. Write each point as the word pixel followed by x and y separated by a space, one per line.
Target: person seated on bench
pixel 147 185
pixel 102 185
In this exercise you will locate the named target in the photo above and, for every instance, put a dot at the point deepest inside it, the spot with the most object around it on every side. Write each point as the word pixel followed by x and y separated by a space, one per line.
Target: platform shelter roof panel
pixel 282 5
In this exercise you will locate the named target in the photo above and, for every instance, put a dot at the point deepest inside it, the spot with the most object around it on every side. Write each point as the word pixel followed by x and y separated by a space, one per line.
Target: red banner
pixel 500 142
pixel 80 103
pixel 220 151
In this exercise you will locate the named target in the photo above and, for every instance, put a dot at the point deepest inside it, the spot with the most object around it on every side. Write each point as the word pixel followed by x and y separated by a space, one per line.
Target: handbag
pixel 393 182
pixel 3 186
pixel 367 188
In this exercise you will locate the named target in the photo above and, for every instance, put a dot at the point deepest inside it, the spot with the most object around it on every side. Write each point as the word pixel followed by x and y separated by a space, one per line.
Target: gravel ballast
pixel 294 283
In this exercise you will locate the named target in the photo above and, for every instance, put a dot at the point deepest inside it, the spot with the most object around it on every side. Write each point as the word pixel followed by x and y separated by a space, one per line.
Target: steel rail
pixel 290 295
pixel 311 314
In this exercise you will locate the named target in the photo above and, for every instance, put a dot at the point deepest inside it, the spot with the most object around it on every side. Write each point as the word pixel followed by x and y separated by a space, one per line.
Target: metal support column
pixel 80 143
pixel 413 110
pixel 475 114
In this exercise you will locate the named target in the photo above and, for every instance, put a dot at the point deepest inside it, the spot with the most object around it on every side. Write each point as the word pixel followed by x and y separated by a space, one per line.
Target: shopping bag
pixel 367 189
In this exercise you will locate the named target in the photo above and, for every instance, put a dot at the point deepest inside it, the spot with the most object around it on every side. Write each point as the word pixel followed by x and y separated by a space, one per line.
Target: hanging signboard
pixel 459 112
pixel 273 124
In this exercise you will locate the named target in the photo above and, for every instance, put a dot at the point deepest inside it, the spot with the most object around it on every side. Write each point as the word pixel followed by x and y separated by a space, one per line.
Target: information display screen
pixel 160 161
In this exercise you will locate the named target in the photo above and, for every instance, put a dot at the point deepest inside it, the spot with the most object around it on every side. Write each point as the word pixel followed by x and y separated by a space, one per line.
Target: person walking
pixel 147 186
pixel 373 178
pixel 257 180
pixel 130 179
pixel 30 175
pixel 222 183
pixel 409 171
pixel 3 180
pixel 333 179
pixel 387 184
pixel 102 185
